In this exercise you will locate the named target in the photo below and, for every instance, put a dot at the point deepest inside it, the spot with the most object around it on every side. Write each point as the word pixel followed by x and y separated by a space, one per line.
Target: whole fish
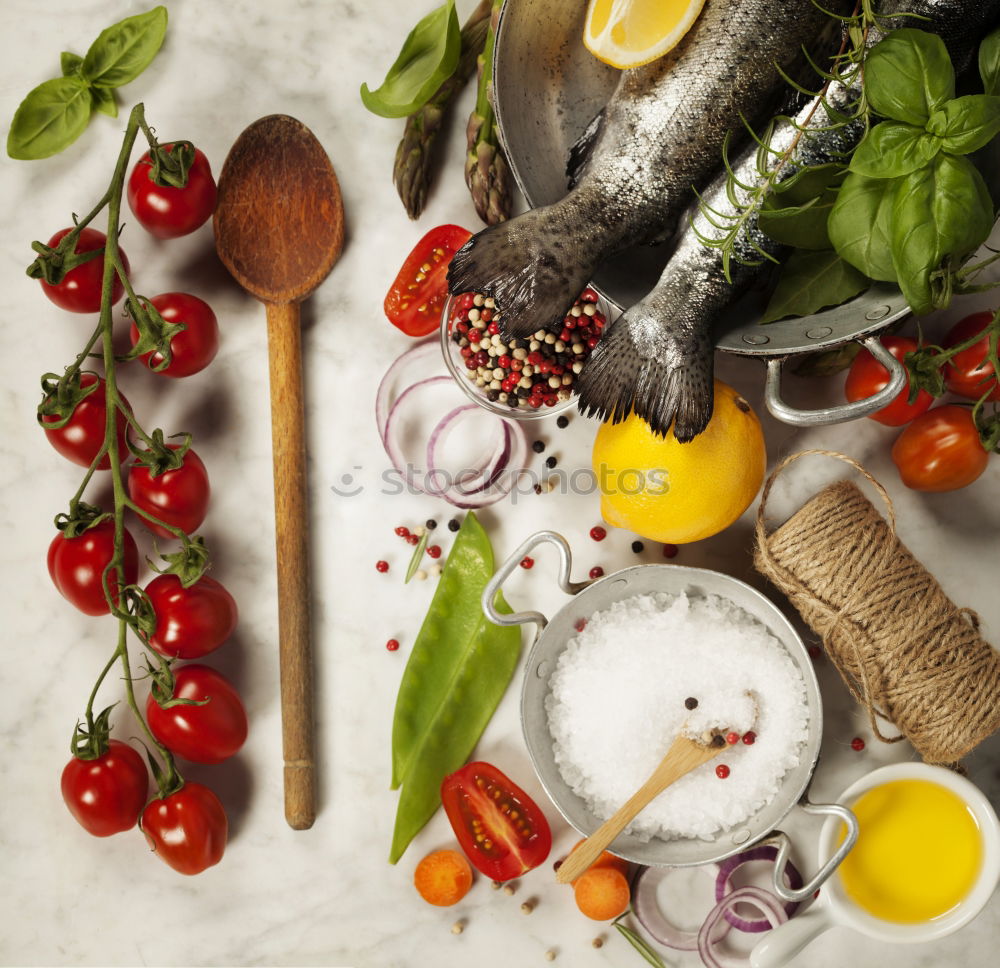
pixel 656 359
pixel 632 173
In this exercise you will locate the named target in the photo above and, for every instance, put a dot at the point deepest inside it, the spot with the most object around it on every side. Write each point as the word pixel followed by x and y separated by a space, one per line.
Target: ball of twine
pixel 904 649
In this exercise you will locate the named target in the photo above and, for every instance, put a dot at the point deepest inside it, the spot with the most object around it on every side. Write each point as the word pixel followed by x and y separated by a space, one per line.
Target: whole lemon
pixel 675 493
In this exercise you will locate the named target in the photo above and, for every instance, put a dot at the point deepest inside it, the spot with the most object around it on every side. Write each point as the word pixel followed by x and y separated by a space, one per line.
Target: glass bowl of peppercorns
pixel 524 378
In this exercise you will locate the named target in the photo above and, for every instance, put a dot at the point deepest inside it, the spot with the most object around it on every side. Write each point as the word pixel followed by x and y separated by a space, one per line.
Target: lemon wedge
pixel 628 33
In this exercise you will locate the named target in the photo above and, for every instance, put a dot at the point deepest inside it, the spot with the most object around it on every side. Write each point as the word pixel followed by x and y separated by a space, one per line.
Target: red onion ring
pixel 486 472
pixel 390 437
pixel 384 395
pixel 723 886
pixel 765 902
pixel 650 915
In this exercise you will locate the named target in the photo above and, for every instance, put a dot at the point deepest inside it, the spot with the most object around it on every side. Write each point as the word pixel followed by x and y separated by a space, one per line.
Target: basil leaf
pixel 811 281
pixel 809 183
pixel 939 211
pixel 104 101
pixel 70 63
pixel 891 149
pixel 428 58
pixel 124 50
pixel 909 75
pixel 51 117
pixel 803 226
pixel 989 62
pixel 969 123
pixel 860 222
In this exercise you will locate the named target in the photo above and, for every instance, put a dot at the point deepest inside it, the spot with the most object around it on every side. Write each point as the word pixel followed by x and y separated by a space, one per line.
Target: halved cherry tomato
pixel 969 373
pixel 417 294
pixel 500 828
pixel 867 376
pixel 940 451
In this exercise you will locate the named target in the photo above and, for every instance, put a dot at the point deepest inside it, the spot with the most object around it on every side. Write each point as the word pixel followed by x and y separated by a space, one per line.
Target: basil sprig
pixel 56 112
pixel 429 57
pixel 913 207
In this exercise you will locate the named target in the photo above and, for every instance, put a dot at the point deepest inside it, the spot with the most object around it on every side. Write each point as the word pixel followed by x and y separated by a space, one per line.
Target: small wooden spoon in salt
pixel 685 754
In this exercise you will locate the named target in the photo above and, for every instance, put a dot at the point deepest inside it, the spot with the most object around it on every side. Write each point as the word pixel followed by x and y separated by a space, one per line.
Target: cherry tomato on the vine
pixel 193 348
pixel 178 497
pixel 940 451
pixel 187 829
pixel 501 829
pixel 867 376
pixel 82 436
pixel 80 289
pixel 168 212
pixel 968 373
pixel 77 565
pixel 106 795
pixel 207 733
pixel 193 621
pixel 417 294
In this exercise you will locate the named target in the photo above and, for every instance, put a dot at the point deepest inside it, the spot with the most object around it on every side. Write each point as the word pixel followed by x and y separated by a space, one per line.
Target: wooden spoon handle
pixel 284 337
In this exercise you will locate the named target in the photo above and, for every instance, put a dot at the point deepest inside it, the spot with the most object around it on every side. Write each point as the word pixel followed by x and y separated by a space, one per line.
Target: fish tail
pixel 534 266
pixel 644 366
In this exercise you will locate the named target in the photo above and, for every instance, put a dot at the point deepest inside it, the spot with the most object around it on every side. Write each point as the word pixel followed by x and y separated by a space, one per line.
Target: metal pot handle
pixel 503 573
pixel 780 839
pixel 845 411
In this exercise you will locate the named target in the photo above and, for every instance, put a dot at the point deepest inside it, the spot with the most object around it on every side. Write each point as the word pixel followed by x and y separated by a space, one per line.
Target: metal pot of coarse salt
pixel 551 638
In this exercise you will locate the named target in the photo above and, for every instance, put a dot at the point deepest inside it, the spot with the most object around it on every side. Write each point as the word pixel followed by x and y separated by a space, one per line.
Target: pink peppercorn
pixel 596 572
pixel 382 566
pixel 392 645
pixel 527 562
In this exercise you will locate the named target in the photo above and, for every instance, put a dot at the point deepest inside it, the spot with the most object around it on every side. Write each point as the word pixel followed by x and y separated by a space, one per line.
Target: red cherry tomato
pixel 190 622
pixel 479 801
pixel 940 450
pixel 77 565
pixel 168 212
pixel 867 376
pixel 968 373
pixel 178 497
pixel 187 829
pixel 193 348
pixel 207 733
pixel 106 795
pixel 82 436
pixel 417 294
pixel 80 289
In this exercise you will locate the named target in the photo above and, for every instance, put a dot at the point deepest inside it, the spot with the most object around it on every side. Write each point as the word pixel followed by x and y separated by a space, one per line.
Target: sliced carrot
pixel 606 859
pixel 443 877
pixel 602 893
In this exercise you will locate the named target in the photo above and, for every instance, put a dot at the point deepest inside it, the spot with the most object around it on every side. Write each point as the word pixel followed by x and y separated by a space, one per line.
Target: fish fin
pixel 647 366
pixel 534 266
pixel 581 151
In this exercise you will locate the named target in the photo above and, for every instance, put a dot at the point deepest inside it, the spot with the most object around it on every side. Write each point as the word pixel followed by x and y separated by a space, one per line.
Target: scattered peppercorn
pixel 669 551
pixel 420 574
pixel 434 571
pixel 557 865
pixel 550 462
pixel 508 889
pixel 562 421
pixel 857 744
pixel 527 907
pixel 638 547
pixel 382 566
pixel 434 551
pixel 598 533
pixel 815 652
pixel 527 562
pixel 453 524
pixel 430 524
pixel 732 738
pixel 403 532
pixel 596 572
pixel 537 488
pixel 581 624
pixel 749 737
pixel 457 927
pixel 538 446
pixel 496 885
pixel 419 530
pixel 392 645
pixel 722 771
pixel 550 955
pixel 690 703
pixel 718 740
pixel 412 539
pixel 597 943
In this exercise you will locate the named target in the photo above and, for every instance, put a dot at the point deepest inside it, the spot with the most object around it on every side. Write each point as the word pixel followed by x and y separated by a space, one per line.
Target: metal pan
pixel 551 638
pixel 547 88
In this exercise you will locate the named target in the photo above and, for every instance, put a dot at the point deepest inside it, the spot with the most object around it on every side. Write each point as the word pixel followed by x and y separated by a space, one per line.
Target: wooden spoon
pixel 684 755
pixel 279 229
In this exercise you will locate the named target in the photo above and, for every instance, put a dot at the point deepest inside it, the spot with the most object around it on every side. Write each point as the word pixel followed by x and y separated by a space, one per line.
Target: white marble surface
pixel 326 896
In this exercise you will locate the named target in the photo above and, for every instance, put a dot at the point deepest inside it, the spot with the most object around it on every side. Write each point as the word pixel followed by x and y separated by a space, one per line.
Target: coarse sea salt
pixel 617 701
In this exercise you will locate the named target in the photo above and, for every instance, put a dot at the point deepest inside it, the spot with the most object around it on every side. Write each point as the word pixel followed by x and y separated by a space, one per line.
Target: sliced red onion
pixel 723 886
pixel 484 473
pixel 385 396
pixel 764 901
pixel 390 436
pixel 650 915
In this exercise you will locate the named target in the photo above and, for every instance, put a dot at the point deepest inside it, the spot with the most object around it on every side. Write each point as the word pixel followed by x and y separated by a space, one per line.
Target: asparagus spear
pixel 411 173
pixel 486 171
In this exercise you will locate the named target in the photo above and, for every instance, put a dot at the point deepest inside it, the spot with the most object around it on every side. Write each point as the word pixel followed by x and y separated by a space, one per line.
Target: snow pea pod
pixel 457 673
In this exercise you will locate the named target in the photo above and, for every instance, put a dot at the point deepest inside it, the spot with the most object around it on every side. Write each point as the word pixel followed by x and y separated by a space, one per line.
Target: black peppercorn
pixel 538 446
pixel 638 547
pixel 453 524
pixel 690 703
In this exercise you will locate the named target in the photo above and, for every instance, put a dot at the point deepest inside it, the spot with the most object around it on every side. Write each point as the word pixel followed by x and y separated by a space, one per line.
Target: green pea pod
pixel 457 673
